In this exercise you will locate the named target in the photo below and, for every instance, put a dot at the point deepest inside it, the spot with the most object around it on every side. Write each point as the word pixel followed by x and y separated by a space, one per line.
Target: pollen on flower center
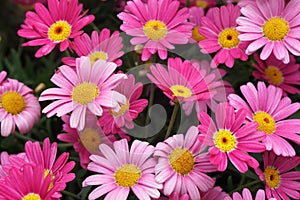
pixel 127 175
pixel 272 177
pixel 123 109
pixel 90 139
pixel 59 31
pixel 181 91
pixel 155 29
pixel 228 38
pixel 196 35
pixel 96 56
pixel 275 29
pixel 202 4
pixel 46 172
pixel 225 140
pixel 85 93
pixel 265 122
pixel 274 75
pixel 32 196
pixel 182 161
pixel 13 102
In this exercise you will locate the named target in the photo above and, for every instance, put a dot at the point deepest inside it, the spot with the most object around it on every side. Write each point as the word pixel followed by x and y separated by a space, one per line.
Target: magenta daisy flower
pixel 229 137
pixel 48 28
pixel 121 170
pixel 86 88
pixel 99 46
pixel 182 165
pixel 285 76
pixel 219 29
pixel 196 13
pixel 214 193
pixel 266 106
pixel 111 121
pixel 271 26
pixel 246 195
pixel 280 181
pixel 30 183
pixel 19 107
pixel 158 24
pixel 204 4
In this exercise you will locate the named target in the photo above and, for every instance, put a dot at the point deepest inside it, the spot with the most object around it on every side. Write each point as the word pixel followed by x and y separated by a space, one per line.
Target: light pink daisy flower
pixel 196 13
pixel 182 165
pixel 121 170
pixel 48 28
pixel 184 81
pixel 273 26
pixel 280 181
pixel 219 29
pixel 246 195
pixel 214 193
pixel 29 183
pixel 204 4
pixel 19 107
pixel 111 121
pixel 99 46
pixel 158 24
pixel 266 106
pixel 285 76
pixel 228 137
pixel 89 87
pixel 87 141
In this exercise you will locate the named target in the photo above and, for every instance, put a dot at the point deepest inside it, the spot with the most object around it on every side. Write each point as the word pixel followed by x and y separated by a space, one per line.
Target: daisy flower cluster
pixel 150 99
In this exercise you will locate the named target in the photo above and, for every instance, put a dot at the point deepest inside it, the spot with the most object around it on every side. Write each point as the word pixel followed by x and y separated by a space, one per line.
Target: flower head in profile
pixel 121 170
pixel 219 29
pixel 269 110
pixel 285 76
pixel 271 27
pixel 281 182
pixel 89 87
pixel 182 163
pixel 246 195
pixel 228 137
pixel 101 46
pixel 62 21
pixel 19 107
pixel 157 24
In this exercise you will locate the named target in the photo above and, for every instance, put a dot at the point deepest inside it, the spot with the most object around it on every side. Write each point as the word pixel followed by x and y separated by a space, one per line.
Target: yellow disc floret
pixel 265 122
pixel 274 75
pixel 59 31
pixel 90 139
pixel 182 161
pixel 225 140
pixel 276 28
pixel 127 175
pixel 85 93
pixel 98 55
pixel 123 109
pixel 155 29
pixel 31 196
pixel 228 38
pixel 13 102
pixel 196 35
pixel 181 91
pixel 272 177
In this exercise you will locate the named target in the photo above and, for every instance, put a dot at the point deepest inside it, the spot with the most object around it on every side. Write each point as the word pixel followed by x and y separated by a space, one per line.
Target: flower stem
pixel 245 186
pixel 172 120
pixel 151 100
pixel 74 196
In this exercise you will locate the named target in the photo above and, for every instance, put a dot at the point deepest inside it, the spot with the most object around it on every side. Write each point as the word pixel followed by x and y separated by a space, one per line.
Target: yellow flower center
pixel 272 177
pixel 127 175
pixel 202 4
pixel 13 102
pixel 181 91
pixel 96 56
pixel 46 172
pixel 90 139
pixel 196 35
pixel 275 29
pixel 228 38
pixel 265 122
pixel 274 75
pixel 32 196
pixel 225 140
pixel 85 93
pixel 59 31
pixel 155 29
pixel 123 109
pixel 182 161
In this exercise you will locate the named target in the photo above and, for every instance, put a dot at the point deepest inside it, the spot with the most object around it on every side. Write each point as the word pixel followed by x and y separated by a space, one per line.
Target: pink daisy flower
pixel 89 87
pixel 214 193
pixel 111 121
pixel 271 26
pixel 184 82
pixel 48 28
pixel 158 24
pixel 266 106
pixel 29 183
pixel 196 13
pixel 229 137
pixel 280 181
pixel 285 76
pixel 19 107
pixel 6 164
pixel 219 29
pixel 181 165
pixel 99 46
pixel 204 4
pixel 246 195
pixel 121 170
